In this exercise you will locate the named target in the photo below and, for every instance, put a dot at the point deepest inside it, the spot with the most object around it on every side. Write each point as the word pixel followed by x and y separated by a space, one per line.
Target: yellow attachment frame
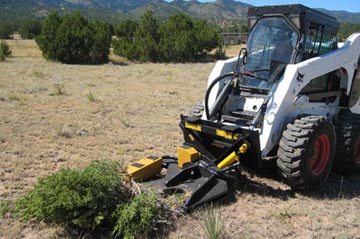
pixel 193 126
pixel 219 132
pixel 187 154
pixel 234 156
pixel 145 168
pixel 226 135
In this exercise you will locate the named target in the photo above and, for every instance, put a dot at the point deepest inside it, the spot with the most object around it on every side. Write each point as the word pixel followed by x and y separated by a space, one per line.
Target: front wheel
pixel 306 152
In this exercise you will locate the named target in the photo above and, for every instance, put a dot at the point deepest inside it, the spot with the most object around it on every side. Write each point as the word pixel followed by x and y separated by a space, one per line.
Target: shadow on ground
pixel 266 183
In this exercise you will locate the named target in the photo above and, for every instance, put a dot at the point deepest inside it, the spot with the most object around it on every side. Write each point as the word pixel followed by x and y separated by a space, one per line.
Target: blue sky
pixel 347 5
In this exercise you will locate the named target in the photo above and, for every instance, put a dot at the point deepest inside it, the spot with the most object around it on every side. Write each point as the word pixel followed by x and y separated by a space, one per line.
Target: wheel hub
pixel 322 154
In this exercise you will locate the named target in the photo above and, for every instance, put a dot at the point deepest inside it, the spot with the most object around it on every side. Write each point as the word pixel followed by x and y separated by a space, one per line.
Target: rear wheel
pixel 347 159
pixel 306 152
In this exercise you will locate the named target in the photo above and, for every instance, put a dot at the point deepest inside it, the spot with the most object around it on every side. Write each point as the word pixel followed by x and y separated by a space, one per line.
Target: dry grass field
pixel 56 116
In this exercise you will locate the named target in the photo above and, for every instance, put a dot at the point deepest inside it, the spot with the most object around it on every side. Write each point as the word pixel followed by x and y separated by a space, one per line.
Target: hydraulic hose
pixel 219 98
pixel 167 159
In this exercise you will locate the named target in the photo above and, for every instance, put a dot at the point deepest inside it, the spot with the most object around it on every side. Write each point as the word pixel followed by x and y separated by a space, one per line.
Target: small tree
pixel 5 30
pixel 126 29
pixel 143 45
pixel 186 39
pixel 30 29
pixel 73 39
pixel 47 39
pixel 100 49
pixel 147 38
pixel 179 39
pixel 207 36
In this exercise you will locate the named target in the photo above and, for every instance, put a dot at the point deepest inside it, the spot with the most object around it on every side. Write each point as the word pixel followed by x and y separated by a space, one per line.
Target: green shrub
pixel 2 55
pixel 4 208
pixel 30 29
pixel 84 199
pixel 207 36
pixel 93 200
pixel 143 45
pixel 126 29
pixel 47 39
pixel 6 29
pixel 4 50
pixel 72 39
pixel 179 39
pixel 136 218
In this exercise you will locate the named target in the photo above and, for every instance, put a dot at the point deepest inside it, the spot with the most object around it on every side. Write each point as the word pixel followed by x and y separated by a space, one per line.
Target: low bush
pixel 84 199
pixel 136 218
pixel 4 50
pixel 93 200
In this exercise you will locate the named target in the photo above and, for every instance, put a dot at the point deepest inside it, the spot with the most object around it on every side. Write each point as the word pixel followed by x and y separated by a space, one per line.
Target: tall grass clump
pixel 213 223
pixel 62 131
pixel 91 96
pixel 59 89
pixel 95 200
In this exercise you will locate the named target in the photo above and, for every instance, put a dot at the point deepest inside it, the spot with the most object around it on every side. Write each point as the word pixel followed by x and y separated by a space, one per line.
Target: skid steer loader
pixel 291 96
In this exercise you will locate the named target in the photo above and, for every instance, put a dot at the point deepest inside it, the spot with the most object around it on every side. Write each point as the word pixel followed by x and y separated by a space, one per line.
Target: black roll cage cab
pixel 317 30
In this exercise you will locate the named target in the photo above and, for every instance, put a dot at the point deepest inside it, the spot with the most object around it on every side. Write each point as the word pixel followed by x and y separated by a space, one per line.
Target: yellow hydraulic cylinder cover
pixel 233 157
pixel 187 154
pixel 230 159
pixel 145 168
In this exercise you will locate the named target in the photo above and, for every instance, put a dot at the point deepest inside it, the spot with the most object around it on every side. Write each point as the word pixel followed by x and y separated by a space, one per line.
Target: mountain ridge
pixel 117 9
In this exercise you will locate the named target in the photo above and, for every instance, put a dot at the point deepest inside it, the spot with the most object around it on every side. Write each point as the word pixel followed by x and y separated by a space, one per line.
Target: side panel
pixel 284 106
pixel 355 92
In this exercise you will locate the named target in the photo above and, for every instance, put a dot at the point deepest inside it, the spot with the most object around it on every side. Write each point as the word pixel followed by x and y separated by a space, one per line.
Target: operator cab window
pixel 319 41
pixel 271 44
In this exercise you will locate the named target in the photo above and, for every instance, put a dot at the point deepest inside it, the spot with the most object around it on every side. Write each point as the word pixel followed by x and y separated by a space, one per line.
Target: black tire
pixel 306 152
pixel 347 159
pixel 197 110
